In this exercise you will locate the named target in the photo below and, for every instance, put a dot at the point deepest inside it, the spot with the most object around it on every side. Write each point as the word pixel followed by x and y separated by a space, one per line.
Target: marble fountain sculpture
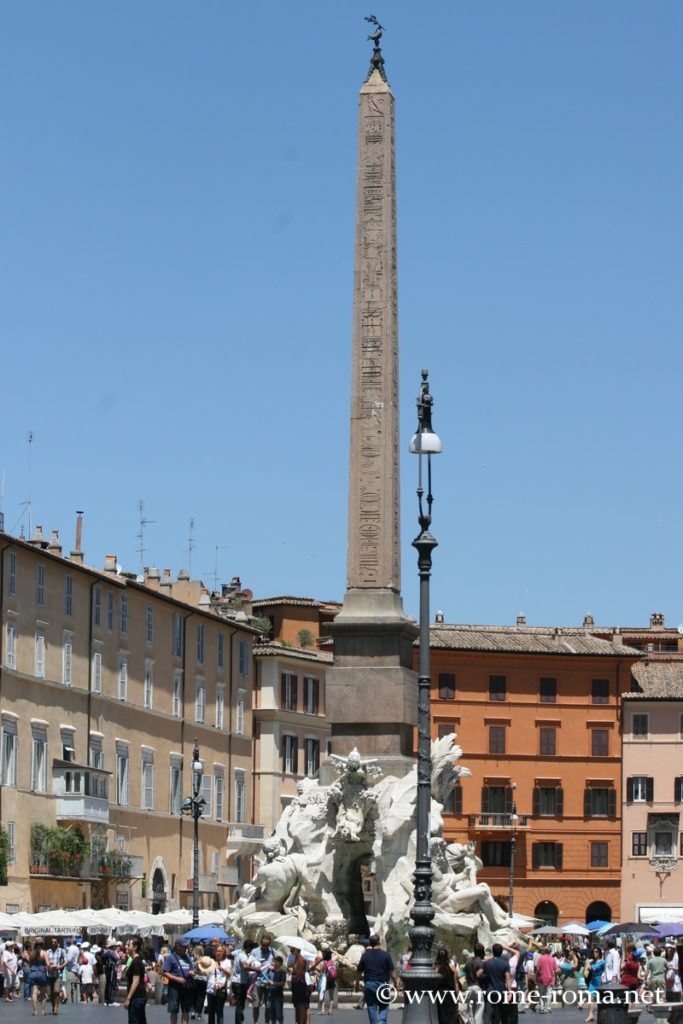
pixel 309 880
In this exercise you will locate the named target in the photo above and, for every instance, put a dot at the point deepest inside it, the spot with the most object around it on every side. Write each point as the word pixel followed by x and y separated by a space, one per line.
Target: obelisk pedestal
pixel 372 690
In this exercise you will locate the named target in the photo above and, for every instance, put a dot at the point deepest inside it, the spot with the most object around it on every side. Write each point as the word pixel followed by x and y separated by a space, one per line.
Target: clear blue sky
pixel 176 223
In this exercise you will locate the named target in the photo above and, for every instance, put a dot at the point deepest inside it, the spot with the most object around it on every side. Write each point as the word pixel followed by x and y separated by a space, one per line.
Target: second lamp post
pixel 194 806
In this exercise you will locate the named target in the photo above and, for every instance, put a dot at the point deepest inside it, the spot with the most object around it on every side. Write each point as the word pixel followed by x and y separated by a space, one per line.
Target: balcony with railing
pixel 82 792
pixel 494 822
pixel 244 838
pixel 207 883
pixel 228 875
pixel 115 866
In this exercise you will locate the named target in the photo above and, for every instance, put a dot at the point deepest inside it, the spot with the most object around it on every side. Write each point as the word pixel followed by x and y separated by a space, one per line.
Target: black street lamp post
pixel 513 850
pixel 194 807
pixel 421 975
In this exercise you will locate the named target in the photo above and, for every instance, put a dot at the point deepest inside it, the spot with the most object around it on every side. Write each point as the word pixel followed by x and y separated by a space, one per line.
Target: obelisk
pixel 371 690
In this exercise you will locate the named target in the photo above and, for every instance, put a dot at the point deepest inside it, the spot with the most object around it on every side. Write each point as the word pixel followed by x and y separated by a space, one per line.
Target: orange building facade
pixel 537 714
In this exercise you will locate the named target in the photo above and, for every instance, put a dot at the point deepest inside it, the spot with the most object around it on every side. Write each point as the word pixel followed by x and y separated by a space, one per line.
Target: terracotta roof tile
pixel 525 640
pixel 658 679
pixel 309 602
pixel 274 649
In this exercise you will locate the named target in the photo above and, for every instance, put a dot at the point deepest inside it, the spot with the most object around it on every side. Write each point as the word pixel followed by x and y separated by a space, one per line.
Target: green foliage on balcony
pixel 4 856
pixel 115 865
pixel 56 850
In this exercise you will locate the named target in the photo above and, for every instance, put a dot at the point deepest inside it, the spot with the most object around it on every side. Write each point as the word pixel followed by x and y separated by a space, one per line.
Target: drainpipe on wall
pixel 90 638
pixel 230 689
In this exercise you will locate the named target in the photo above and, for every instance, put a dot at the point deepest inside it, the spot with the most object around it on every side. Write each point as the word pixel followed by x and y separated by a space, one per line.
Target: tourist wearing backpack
pixel 327 984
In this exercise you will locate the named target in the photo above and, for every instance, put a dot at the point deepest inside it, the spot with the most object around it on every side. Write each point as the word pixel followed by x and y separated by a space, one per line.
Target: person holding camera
pixel 179 974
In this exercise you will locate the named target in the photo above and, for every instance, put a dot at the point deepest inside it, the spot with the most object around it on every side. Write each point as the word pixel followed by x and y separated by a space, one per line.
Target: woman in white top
pixel 217 973
pixel 9 970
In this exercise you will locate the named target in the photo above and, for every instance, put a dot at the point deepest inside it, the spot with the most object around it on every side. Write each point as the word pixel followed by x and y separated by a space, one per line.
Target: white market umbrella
pixel 53 922
pixel 573 928
pixel 297 942
pixel 7 923
pixel 175 918
pixel 95 922
pixel 140 920
pixel 211 917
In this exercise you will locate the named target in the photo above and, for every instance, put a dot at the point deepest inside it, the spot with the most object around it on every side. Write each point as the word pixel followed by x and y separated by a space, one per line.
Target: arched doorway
pixel 547 911
pixel 598 911
pixel 158 892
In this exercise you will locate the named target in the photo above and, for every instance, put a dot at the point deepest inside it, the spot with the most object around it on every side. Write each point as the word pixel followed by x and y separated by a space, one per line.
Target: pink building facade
pixel 652 828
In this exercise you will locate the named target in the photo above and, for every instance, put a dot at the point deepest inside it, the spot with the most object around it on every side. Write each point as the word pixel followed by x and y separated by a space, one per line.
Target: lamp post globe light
pixel 421 975
pixel 193 806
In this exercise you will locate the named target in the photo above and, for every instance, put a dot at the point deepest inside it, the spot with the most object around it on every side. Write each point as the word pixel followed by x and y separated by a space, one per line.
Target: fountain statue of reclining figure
pixel 363 825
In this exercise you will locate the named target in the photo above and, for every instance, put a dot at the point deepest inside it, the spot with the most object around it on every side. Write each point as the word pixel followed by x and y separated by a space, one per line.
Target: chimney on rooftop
pixel 521 620
pixel 657 620
pixel 38 538
pixel 152 573
pixel 110 563
pixel 77 553
pixel 166 580
pixel 439 618
pixel 183 574
pixel 588 620
pixel 54 546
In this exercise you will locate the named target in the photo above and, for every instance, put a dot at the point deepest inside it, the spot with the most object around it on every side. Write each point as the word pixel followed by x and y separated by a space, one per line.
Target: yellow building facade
pixel 106 681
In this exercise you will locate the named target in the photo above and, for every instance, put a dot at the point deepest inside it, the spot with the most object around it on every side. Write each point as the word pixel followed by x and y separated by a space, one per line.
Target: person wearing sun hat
pixel 111 962
pixel 201 976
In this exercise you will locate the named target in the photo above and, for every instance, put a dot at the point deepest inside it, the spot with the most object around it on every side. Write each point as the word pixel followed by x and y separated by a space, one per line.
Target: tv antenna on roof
pixel 141 535
pixel 26 505
pixel 190 547
pixel 219 547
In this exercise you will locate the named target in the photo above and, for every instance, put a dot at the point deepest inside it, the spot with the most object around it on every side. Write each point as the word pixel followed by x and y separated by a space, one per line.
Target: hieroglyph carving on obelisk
pixel 370 690
pixel 374 517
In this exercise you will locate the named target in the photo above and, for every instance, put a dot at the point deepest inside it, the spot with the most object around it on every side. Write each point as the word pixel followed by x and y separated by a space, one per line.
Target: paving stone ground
pixel 72 1013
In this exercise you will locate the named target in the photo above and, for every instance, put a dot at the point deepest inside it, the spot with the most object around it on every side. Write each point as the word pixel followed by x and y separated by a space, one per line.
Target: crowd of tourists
pixel 50 974
pixel 537 979
pixel 477 989
pixel 194 980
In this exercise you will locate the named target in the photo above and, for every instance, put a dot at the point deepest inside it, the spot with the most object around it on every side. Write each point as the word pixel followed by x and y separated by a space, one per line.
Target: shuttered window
pixel 497 687
pixel 548 801
pixel 310 695
pixel 546 855
pixel 446 686
pixel 599 802
pixel 496 800
pixel 288 694
pixel 548 690
pixel 290 755
pixel 640 789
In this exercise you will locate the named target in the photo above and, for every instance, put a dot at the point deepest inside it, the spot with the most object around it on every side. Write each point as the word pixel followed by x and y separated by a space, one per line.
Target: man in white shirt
pixel 244 969
pixel 612 972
